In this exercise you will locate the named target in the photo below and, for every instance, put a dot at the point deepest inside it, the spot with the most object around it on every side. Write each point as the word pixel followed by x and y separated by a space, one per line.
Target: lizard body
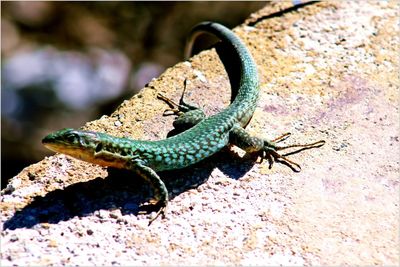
pixel 205 137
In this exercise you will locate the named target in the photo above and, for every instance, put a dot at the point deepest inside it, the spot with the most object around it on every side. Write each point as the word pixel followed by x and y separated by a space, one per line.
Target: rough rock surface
pixel 328 71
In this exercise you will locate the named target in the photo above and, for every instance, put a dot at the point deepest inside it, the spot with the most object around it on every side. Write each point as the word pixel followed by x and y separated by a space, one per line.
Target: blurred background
pixel 66 63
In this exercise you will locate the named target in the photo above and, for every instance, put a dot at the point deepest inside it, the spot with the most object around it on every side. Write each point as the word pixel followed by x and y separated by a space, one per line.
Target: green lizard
pixel 205 137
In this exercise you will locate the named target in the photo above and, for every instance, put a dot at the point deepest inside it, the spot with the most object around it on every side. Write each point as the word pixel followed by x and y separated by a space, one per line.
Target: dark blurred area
pixel 66 63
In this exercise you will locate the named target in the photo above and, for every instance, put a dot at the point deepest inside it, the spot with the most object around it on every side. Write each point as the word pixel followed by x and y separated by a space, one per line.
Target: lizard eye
pixel 71 138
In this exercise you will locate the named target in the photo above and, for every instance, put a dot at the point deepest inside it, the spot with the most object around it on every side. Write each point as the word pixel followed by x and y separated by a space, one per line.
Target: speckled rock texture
pixel 328 71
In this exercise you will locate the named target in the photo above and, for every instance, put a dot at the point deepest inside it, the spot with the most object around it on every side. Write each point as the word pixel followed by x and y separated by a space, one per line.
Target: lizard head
pixel 98 148
pixel 75 143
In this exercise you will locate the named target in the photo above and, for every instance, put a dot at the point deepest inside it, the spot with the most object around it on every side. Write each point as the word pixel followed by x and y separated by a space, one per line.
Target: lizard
pixel 203 138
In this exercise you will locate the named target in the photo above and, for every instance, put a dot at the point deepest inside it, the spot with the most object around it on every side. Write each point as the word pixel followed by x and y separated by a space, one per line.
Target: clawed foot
pixel 270 151
pixel 154 205
pixel 175 108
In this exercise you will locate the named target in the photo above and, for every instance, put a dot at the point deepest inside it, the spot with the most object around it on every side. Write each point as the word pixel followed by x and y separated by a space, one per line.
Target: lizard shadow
pixel 121 189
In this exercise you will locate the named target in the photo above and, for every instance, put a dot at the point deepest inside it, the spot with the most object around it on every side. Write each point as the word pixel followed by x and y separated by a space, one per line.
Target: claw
pixel 175 109
pixel 153 205
pixel 303 146
pixel 271 149
pixel 161 211
pixel 170 103
pixel 293 165
pixel 281 138
pixel 167 100
pixel 272 156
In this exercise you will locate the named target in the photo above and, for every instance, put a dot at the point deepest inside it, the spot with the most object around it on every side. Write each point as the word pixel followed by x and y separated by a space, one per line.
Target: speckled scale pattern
pixel 187 148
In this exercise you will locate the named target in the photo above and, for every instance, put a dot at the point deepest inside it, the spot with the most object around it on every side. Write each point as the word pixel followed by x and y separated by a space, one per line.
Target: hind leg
pixel 268 149
pixel 188 114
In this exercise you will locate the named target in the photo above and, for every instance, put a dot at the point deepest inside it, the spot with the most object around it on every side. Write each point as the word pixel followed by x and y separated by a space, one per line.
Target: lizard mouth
pixel 63 148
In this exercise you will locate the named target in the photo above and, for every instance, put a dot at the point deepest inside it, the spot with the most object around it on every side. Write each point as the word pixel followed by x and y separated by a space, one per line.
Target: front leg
pixel 160 190
pixel 269 149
